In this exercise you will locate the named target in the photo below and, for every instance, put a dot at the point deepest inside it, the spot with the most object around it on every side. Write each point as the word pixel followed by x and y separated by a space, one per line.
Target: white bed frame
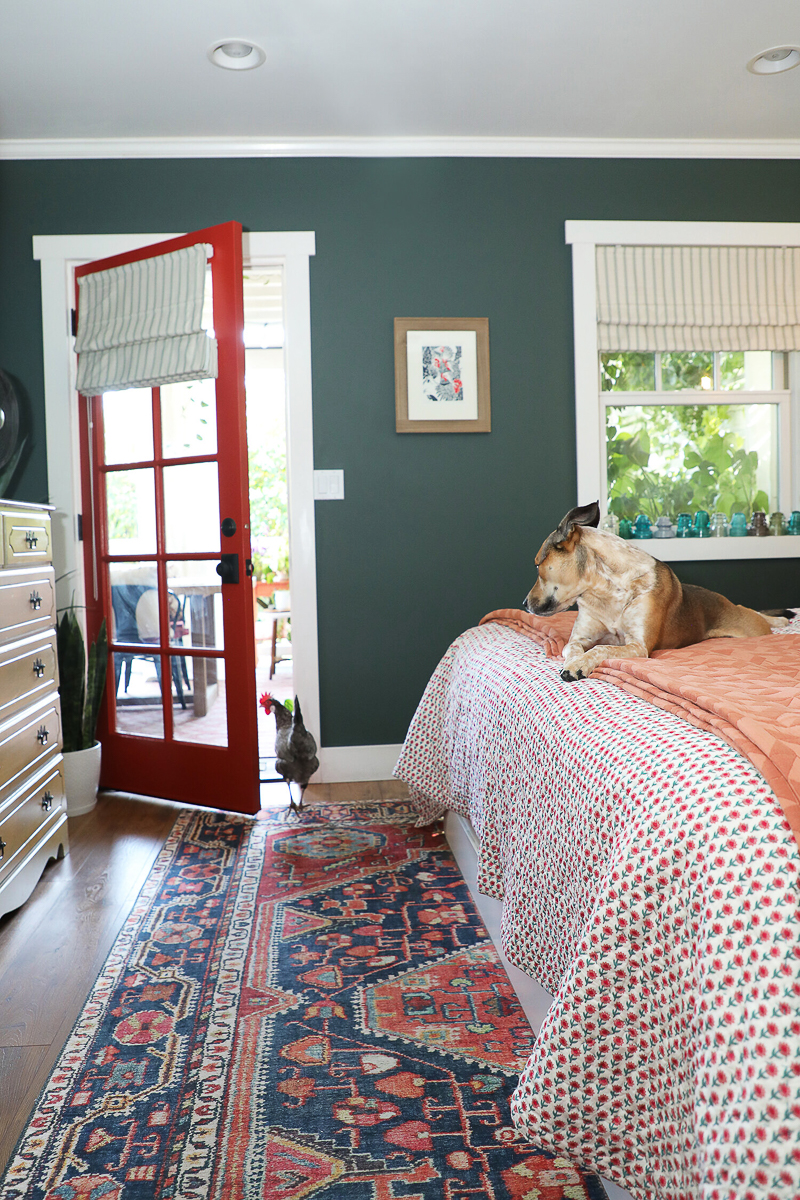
pixel 532 996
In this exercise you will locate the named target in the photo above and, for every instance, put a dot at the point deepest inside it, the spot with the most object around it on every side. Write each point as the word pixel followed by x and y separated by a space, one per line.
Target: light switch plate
pixel 329 485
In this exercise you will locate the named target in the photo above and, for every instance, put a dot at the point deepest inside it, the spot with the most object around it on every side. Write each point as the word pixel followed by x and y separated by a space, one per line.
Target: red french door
pixel 166 530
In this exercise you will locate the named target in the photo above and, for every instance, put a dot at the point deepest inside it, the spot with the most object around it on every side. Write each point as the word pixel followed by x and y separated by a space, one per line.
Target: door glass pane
pixel 138 700
pixel 131 506
pixel 191 508
pixel 128 426
pixel 134 602
pixel 134 618
pixel 139 708
pixel 201 716
pixel 189 418
pixel 668 459
pixel 196 604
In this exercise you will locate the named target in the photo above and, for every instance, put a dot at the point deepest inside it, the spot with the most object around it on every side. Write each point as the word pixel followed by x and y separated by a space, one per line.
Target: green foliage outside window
pixel 630 372
pixel 268 508
pixel 687 371
pixel 122 505
pixel 680 458
pixel 635 371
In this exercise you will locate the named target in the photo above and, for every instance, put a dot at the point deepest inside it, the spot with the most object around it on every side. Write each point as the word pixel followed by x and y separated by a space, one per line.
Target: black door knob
pixel 228 568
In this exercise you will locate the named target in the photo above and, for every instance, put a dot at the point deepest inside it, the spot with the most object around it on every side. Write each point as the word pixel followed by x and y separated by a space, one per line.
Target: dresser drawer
pixel 28 673
pixel 26 539
pixel 28 814
pixel 27 603
pixel 27 740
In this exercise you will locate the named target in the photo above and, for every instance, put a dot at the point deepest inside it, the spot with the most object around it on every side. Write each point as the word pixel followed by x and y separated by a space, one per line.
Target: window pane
pixel 131 506
pixel 196 597
pixel 680 458
pixel 628 372
pixel 139 705
pixel 189 419
pixel 746 370
pixel 191 508
pixel 200 713
pixel 128 426
pixel 687 369
pixel 134 602
pixel 134 618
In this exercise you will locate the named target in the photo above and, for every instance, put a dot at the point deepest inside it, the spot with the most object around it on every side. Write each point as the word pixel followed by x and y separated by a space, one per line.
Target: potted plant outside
pixel 81 688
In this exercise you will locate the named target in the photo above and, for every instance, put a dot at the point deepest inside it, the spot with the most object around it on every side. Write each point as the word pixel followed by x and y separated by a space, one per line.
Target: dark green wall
pixel 435 529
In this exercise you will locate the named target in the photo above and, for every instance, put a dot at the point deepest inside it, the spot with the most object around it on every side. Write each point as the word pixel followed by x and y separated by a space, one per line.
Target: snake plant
pixel 81 690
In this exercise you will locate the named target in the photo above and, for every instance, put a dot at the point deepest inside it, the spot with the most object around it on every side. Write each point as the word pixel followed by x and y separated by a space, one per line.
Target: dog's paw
pixel 572 676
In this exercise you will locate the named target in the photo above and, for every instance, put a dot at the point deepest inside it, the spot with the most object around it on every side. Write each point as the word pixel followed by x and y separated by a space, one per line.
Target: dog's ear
pixel 588 515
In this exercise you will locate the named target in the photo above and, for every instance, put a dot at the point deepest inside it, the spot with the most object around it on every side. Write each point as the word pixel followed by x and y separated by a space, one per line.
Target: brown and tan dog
pixel 629 603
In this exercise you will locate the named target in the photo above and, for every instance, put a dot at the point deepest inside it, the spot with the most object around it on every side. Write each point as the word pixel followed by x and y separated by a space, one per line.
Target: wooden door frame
pixel 58 256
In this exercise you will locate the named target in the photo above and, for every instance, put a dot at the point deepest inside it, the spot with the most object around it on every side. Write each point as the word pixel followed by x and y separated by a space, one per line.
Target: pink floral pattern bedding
pixel 651 882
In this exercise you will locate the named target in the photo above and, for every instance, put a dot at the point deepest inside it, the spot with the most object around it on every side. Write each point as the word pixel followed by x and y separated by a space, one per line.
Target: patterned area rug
pixel 297 1007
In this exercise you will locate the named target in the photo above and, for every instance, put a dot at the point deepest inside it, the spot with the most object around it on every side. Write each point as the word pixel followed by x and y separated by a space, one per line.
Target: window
pixel 689 430
pixel 686 361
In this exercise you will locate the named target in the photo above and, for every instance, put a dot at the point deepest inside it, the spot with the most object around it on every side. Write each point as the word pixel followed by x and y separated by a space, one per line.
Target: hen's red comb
pixel 266 702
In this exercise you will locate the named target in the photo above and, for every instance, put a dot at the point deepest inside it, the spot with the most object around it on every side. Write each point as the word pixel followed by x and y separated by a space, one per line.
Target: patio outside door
pixel 166 532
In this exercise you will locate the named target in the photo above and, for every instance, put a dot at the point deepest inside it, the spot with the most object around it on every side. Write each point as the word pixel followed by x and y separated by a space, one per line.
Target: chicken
pixel 295 748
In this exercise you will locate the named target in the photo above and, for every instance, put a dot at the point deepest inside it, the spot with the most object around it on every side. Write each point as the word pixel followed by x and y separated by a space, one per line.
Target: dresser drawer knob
pixel 2 848
pixel 47 801
pixel 38 668
pixel 31 539
pixel 42 734
pixel 36 599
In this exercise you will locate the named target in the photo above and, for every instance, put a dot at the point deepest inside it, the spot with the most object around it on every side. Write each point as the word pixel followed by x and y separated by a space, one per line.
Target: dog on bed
pixel 629 603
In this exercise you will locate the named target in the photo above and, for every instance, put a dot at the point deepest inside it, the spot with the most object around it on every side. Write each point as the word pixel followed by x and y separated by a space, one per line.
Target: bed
pixel 650 882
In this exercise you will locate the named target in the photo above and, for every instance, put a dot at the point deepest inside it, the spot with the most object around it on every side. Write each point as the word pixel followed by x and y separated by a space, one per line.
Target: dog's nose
pixel 525 605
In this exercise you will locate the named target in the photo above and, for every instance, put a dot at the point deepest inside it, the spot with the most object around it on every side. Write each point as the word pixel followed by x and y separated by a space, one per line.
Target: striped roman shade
pixel 698 297
pixel 140 325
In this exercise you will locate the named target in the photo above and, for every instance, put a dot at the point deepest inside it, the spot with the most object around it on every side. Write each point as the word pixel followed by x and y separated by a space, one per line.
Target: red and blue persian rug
pixel 305 1006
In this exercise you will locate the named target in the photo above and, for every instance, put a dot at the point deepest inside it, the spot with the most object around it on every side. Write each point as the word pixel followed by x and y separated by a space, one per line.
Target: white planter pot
pixel 82 779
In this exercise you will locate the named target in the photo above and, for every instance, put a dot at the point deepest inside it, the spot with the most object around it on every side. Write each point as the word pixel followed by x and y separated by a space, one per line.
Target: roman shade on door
pixel 140 324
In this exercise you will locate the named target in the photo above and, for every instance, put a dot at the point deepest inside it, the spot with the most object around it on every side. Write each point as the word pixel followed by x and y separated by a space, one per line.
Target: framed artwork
pixel 441 375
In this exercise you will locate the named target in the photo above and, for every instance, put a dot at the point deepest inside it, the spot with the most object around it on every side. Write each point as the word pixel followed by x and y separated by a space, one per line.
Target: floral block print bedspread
pixel 651 882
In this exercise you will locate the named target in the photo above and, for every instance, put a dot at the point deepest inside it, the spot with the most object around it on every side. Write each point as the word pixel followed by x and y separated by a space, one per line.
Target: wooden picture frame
pixel 455 381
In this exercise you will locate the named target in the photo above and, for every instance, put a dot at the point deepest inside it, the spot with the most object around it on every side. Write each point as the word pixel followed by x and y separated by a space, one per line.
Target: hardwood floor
pixel 52 948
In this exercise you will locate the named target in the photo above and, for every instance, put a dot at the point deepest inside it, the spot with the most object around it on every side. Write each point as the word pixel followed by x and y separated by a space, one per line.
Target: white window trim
pixel 58 257
pixel 584 237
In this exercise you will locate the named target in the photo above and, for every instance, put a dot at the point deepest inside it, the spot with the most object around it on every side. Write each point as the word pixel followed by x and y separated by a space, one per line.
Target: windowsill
pixel 708 549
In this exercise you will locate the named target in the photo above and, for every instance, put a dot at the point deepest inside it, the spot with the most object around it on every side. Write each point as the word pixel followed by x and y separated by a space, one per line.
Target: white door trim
pixel 58 256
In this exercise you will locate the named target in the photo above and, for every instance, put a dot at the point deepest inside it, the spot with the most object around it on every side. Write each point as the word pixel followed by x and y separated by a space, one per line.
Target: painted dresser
pixel 33 809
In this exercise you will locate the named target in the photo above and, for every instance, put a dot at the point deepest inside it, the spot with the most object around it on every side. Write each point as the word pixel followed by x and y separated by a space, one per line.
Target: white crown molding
pixel 394 147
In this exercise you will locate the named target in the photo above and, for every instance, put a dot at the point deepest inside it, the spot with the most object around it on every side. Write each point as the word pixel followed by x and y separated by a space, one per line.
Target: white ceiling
pixel 349 69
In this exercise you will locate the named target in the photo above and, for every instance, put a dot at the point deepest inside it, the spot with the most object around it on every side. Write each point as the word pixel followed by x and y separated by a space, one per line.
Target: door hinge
pixel 80 527
pixel 73 322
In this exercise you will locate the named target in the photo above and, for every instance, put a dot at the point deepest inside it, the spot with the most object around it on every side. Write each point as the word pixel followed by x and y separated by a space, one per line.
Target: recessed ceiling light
pixel 236 54
pixel 778 58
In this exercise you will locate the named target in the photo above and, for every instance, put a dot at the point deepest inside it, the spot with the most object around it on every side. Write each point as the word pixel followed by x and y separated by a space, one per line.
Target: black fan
pixel 11 441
